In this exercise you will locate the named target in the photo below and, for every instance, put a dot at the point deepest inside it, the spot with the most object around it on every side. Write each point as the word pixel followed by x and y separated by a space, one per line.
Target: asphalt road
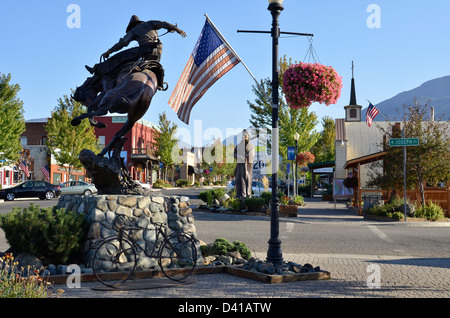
pixel 346 233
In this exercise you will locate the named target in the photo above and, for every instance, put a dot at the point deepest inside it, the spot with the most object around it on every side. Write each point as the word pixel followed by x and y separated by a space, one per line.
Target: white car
pixel 144 185
pixel 78 187
pixel 257 187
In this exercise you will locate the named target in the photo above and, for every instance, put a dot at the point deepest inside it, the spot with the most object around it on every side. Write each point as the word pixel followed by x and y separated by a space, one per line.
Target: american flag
pixel 23 166
pixel 211 59
pixel 372 112
pixel 46 172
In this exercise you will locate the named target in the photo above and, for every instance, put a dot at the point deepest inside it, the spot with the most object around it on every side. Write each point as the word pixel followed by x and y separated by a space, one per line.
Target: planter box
pixel 286 211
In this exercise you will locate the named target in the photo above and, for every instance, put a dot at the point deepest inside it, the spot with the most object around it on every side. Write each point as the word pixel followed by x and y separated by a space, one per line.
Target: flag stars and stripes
pixel 210 60
pixel 372 112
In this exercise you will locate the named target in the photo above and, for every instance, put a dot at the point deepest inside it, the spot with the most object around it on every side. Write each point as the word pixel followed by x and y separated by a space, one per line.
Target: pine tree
pixel 66 141
pixel 12 121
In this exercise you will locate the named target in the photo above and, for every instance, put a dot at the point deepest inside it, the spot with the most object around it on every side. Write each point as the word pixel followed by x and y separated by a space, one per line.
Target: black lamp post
pixel 274 253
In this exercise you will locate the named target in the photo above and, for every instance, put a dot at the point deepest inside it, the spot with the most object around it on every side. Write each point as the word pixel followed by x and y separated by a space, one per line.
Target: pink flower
pixel 305 83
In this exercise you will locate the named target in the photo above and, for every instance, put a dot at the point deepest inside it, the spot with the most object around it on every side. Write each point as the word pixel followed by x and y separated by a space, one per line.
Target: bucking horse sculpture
pixel 124 84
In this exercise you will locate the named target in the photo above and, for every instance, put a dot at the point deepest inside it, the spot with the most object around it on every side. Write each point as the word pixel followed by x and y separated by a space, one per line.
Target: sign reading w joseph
pixel 401 142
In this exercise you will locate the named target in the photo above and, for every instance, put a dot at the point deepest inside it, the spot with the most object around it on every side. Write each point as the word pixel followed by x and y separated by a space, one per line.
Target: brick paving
pixel 401 277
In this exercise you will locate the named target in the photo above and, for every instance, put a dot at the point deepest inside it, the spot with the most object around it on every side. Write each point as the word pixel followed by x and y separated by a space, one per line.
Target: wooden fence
pixel 440 196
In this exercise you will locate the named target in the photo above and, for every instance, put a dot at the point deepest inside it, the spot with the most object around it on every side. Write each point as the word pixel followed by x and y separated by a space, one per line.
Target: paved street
pixel 353 275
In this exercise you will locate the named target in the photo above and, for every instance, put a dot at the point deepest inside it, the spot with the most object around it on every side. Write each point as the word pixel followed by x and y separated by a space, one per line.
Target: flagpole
pixel 229 46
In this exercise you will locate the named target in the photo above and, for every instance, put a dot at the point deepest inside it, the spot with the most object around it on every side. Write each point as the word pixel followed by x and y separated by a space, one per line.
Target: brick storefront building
pixel 138 150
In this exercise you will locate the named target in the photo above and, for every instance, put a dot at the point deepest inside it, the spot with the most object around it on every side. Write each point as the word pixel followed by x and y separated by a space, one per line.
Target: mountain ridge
pixel 435 92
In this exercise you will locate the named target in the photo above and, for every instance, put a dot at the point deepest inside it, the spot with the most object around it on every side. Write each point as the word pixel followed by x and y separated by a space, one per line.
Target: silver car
pixel 78 187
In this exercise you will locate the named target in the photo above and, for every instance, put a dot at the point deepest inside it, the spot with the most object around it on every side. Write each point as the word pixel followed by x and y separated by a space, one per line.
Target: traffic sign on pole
pixel 402 142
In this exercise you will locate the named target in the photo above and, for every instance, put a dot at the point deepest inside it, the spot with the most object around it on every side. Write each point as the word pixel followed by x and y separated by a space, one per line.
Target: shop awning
pixel 365 159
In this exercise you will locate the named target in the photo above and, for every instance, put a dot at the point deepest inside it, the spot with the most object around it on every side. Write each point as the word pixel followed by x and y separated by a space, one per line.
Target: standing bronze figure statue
pixel 245 154
pixel 124 83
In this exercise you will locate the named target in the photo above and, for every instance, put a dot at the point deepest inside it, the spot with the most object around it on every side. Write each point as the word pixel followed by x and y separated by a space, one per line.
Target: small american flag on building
pixel 211 59
pixel 46 172
pixel 23 166
pixel 372 112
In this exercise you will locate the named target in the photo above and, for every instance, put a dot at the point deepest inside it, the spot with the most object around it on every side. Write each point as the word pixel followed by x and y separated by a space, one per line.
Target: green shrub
pixel 54 235
pixel 208 196
pixel 218 193
pixel 197 184
pixel 183 183
pixel 396 215
pixel 160 184
pixel 431 211
pixel 305 190
pixel 242 249
pixel 267 197
pixel 234 203
pixel 299 200
pixel 221 247
pixel 255 203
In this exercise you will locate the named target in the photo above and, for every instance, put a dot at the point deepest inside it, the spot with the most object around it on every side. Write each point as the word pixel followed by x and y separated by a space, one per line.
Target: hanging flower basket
pixel 305 83
pixel 304 158
pixel 351 182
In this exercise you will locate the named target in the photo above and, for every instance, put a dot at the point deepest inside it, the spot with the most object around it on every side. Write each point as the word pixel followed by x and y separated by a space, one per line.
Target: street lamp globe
pixel 296 136
pixel 280 2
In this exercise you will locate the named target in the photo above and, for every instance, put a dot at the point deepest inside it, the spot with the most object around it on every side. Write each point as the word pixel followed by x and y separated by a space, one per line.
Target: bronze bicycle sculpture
pixel 176 253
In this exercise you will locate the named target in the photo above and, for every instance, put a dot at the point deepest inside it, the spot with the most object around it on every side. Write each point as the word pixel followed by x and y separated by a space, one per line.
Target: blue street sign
pixel 291 153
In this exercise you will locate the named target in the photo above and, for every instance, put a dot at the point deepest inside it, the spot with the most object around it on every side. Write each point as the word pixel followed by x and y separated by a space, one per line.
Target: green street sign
pixel 401 142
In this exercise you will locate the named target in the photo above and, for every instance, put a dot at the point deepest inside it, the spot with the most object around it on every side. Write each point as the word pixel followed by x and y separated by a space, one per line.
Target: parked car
pixel 281 185
pixel 31 189
pixel 78 187
pixel 144 185
pixel 257 187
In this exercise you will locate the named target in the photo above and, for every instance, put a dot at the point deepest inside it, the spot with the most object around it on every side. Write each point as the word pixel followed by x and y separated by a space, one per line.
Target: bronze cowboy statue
pixel 125 83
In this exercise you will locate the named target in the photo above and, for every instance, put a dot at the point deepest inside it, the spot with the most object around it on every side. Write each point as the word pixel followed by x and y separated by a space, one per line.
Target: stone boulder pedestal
pixel 143 210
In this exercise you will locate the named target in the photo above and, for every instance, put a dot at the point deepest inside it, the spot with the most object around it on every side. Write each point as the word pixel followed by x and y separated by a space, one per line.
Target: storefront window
pixel 57 178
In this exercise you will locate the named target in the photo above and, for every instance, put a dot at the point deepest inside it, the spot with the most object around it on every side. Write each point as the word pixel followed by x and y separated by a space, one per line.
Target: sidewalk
pixel 400 278
pixel 352 276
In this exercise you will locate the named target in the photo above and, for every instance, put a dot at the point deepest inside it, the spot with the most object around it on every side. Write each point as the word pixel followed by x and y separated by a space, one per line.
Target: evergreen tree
pixel 12 121
pixel 66 141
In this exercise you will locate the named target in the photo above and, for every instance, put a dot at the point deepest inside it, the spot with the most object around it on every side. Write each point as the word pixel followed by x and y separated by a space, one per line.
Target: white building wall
pixel 362 140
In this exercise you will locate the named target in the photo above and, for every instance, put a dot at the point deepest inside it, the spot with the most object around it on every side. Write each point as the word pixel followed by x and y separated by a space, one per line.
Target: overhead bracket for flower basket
pixel 281 32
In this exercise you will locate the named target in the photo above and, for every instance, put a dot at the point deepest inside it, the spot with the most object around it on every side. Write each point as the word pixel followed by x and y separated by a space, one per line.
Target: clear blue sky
pixel 46 57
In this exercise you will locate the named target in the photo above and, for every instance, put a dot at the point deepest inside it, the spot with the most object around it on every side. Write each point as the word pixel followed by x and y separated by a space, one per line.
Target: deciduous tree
pixel 66 141
pixel 12 121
